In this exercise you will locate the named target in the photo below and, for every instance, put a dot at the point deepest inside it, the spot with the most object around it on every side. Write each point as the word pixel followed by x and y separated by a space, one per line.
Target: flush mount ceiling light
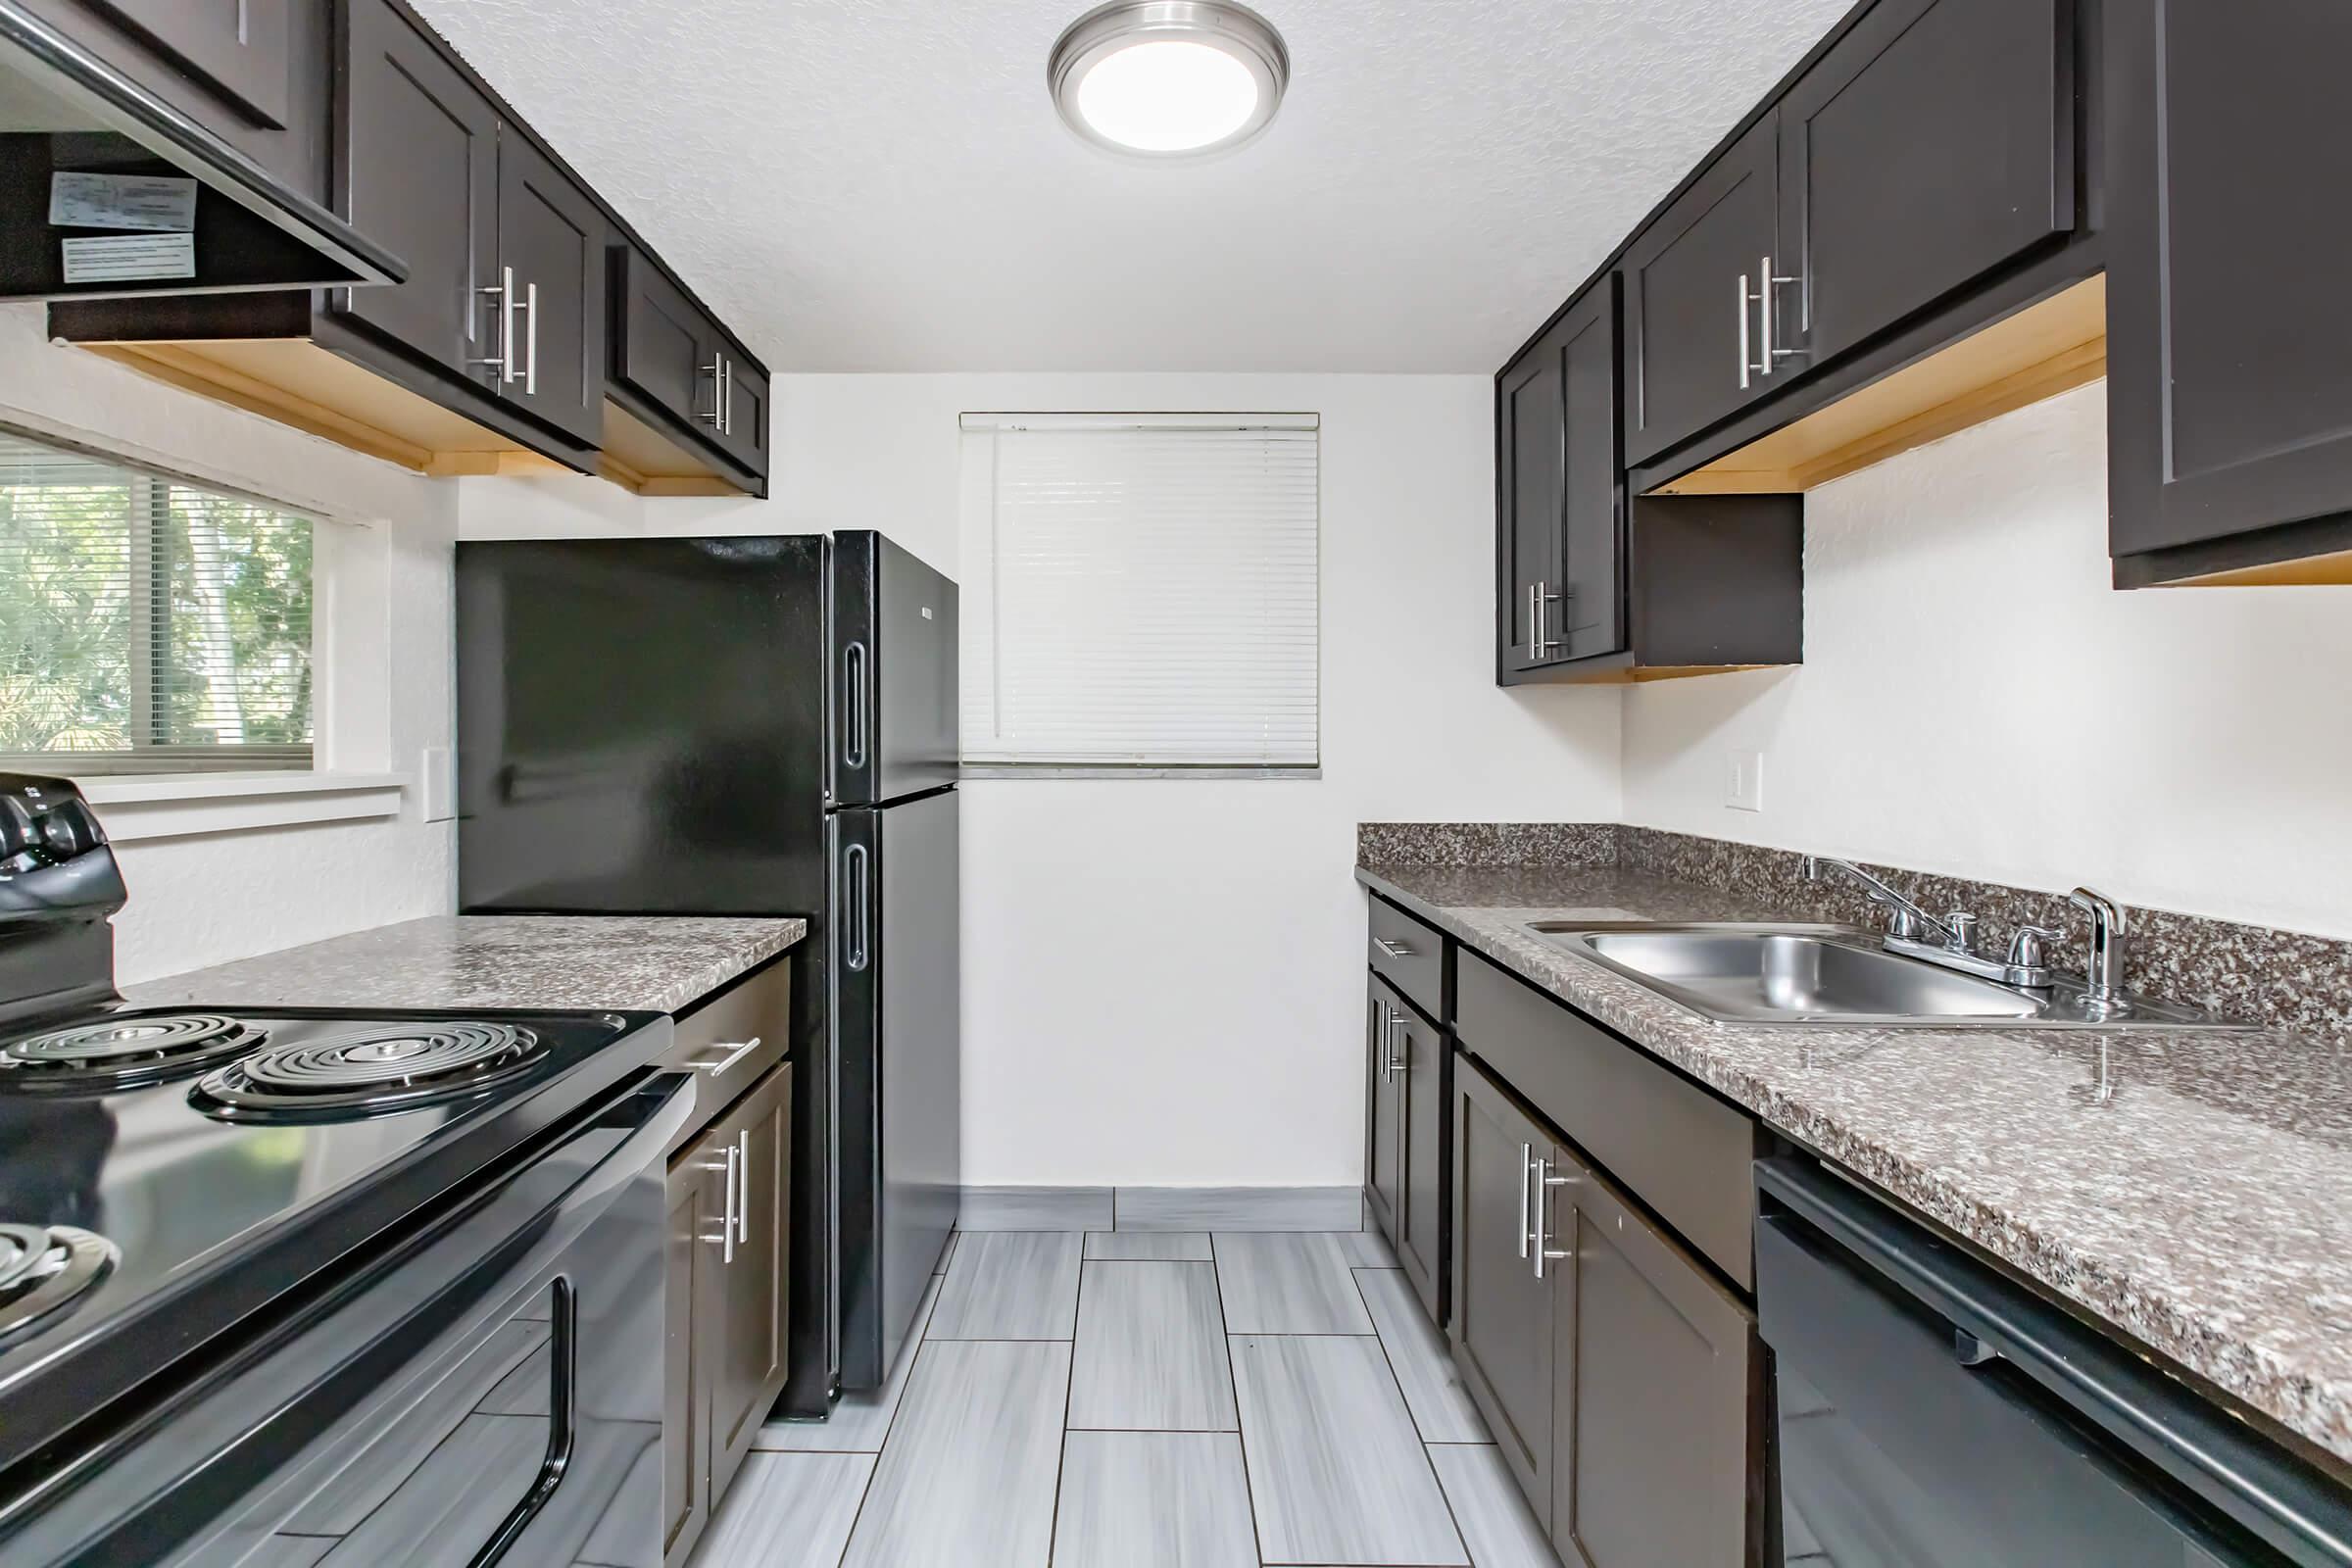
pixel 1168 78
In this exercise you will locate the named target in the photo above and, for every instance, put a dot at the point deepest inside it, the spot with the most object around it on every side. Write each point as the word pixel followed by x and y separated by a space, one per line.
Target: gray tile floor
pixel 1171 1401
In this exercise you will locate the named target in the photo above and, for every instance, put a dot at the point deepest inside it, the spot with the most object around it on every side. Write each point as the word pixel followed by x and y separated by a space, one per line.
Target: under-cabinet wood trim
pixel 187 368
pixel 2046 349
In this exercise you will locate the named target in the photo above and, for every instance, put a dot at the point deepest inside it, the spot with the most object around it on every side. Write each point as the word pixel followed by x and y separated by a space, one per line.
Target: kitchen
pixel 1282 859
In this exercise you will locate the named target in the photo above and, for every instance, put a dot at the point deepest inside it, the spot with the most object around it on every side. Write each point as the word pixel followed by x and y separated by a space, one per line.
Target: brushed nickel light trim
pixel 1234 31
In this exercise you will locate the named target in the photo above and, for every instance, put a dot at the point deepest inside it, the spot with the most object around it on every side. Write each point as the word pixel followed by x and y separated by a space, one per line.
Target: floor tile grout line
pixel 1240 1438
pixel 1069 1386
pixel 1436 1480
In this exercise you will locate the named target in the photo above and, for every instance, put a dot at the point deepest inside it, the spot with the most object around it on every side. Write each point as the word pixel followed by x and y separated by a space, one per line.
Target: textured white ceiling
pixel 883 185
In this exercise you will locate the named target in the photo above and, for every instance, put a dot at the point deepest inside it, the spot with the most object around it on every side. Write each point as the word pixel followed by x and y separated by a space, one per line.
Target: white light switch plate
pixel 437 778
pixel 1744 781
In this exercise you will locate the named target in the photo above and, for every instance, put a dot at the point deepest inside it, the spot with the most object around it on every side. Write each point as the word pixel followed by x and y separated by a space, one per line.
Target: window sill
pixel 134 807
pixel 1049 770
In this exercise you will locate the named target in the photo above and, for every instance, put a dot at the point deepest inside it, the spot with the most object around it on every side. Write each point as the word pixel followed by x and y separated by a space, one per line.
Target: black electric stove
pixel 191 1196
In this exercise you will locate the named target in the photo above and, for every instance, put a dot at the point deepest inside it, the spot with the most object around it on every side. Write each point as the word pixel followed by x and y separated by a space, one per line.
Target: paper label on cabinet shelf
pixel 118 258
pixel 165 203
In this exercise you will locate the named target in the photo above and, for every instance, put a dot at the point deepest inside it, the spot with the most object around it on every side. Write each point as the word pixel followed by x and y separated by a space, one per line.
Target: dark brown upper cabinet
pixel 1932 144
pixel 506 289
pixel 1561 493
pixel 240 50
pixel 1693 340
pixel 2229 408
pixel 679 373
pixel 1591 587
pixel 551 254
pixel 491 356
pixel 418 164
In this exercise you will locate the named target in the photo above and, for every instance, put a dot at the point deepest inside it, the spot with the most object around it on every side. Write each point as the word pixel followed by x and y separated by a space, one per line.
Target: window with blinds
pixel 1139 591
pixel 147 623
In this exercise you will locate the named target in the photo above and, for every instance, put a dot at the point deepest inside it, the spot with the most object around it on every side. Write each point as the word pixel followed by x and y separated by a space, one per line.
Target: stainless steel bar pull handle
pixel 727 396
pixel 725 1239
pixel 1527 1169
pixel 1546 1181
pixel 503 361
pixel 743 1185
pixel 729 1057
pixel 1745 301
pixel 1534 628
pixel 530 363
pixel 1395 950
pixel 1766 317
pixel 1397 1061
pixel 716 370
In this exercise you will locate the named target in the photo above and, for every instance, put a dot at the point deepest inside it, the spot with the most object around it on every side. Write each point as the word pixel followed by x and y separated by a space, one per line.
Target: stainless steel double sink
pixel 1831 975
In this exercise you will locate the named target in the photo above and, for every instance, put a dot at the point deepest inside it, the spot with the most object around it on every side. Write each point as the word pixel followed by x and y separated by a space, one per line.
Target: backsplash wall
pixel 1978 701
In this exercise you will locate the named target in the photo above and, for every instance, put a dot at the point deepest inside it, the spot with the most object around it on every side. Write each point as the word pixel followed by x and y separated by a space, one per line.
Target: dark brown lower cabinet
pixel 1383 1160
pixel 1405 1165
pixel 1614 1371
pixel 1502 1311
pixel 728 1301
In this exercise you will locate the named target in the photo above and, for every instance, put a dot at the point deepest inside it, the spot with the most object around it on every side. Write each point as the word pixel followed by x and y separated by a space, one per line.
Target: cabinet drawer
pixel 1677 1147
pixel 710 1038
pixel 1410 956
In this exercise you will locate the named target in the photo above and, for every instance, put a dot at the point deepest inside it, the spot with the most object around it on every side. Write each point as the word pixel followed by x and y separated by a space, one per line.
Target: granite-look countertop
pixel 652 963
pixel 2192 1189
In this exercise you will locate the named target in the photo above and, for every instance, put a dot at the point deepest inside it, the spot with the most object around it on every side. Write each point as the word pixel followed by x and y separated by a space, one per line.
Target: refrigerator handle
pixel 857 906
pixel 852 704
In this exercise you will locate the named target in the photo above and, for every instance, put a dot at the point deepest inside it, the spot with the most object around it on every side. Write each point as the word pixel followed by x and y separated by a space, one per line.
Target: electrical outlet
pixel 1744 781
pixel 437 778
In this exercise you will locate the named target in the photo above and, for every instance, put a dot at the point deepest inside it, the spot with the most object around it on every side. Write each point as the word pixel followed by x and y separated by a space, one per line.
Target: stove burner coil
pixel 371 1070
pixel 123 1052
pixel 44 1267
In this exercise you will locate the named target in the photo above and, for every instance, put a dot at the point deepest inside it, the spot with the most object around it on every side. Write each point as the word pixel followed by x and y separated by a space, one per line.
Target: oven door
pixel 492 1392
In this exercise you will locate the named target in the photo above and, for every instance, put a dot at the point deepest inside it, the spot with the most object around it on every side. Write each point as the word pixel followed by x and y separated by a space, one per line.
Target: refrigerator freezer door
pixel 895 969
pixel 641 726
pixel 894 693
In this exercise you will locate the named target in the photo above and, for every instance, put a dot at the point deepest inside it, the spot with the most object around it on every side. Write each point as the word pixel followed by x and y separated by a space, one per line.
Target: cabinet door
pixel 1422 1114
pixel 744 401
pixel 239 49
pixel 1932 144
pixel 1501 1330
pixel 665 350
pixel 1693 343
pixel 1589 618
pixel 692 1276
pixel 1384 1180
pixel 417 170
pixel 749 1368
pixel 551 239
pixel 1529 468
pixel 2229 406
pixel 1651 1392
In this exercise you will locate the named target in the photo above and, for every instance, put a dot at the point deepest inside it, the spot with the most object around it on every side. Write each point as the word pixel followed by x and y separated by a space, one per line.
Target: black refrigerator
pixel 759 725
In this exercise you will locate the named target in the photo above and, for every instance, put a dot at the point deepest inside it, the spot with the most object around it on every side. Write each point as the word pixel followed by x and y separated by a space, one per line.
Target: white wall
pixel 385 645
pixel 1975 699
pixel 1161 977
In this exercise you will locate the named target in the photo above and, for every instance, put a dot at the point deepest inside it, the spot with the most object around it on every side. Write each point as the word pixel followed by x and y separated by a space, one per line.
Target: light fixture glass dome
pixel 1163 79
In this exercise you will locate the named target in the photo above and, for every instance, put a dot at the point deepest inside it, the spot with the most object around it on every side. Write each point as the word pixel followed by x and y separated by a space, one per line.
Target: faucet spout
pixel 2110 930
pixel 1905 920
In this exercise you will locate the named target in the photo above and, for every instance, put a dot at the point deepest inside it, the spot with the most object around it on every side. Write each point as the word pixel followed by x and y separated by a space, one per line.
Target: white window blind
pixel 1139 591
pixel 147 623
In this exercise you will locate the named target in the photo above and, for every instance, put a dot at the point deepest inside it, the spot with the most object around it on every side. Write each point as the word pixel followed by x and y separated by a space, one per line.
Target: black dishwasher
pixel 1934 1414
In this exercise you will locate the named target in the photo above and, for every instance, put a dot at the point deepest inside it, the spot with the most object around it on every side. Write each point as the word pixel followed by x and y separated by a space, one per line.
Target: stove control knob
pixel 16 833
pixel 68 829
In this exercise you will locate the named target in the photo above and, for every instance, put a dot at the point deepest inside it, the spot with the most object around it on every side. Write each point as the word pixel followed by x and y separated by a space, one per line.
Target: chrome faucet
pixel 2104 976
pixel 1950 942
pixel 1905 918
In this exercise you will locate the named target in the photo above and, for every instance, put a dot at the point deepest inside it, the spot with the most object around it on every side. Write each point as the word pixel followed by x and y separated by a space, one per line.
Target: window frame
pixel 1159 769
pixel 150 499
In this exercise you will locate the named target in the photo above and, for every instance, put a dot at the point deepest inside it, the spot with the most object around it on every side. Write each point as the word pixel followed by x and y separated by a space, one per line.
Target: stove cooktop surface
pixel 205 1161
